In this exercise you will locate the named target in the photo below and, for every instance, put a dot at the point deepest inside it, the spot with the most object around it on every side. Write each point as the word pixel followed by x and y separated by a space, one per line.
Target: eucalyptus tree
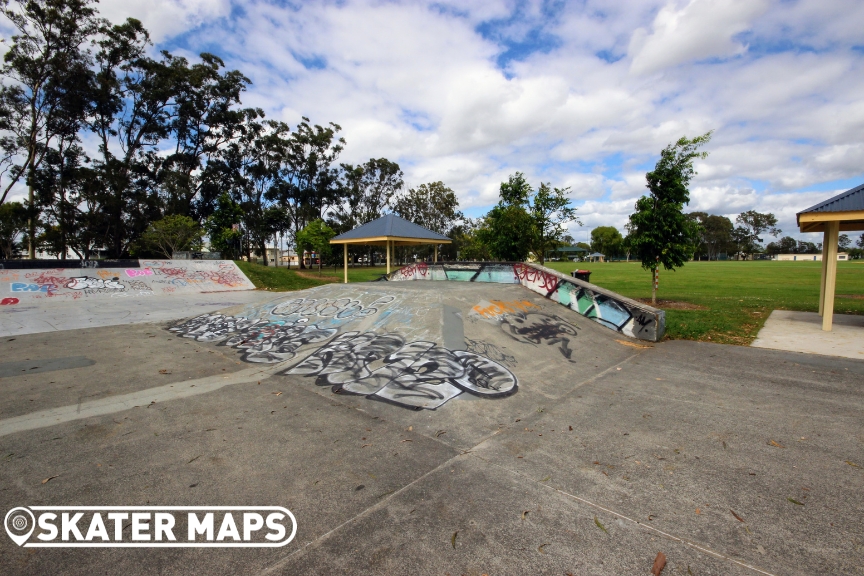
pixel 311 184
pixel 46 74
pixel 205 120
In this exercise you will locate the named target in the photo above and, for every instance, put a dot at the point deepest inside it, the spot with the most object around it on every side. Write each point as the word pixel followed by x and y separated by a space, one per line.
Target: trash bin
pixel 581 275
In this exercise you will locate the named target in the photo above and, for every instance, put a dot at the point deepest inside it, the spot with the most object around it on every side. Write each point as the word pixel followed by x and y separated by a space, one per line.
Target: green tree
pixel 844 242
pixel 660 233
pixel 315 237
pixel 433 206
pixel 223 227
pixel 754 224
pixel 174 233
pixel 48 66
pixel 550 212
pixel 607 240
pixel 525 222
pixel 786 245
pixel 13 224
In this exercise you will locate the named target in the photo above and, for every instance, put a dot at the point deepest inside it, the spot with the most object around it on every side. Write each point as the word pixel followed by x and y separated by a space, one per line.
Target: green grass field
pixel 284 279
pixel 737 296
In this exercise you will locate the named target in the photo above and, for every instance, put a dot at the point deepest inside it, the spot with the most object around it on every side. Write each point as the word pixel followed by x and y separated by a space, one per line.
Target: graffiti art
pixel 606 308
pixel 380 366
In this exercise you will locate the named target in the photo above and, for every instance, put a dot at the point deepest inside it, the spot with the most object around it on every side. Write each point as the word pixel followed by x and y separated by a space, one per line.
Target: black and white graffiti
pixel 90 283
pixel 490 351
pixel 380 366
pixel 259 340
pixel 415 374
pixel 539 328
pixel 340 308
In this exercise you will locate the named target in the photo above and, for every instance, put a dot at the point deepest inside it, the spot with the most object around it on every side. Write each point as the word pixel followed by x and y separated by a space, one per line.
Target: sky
pixel 582 94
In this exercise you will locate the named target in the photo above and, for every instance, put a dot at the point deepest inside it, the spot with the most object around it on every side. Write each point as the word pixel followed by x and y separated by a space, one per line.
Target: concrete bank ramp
pixel 131 278
pixel 605 307
pixel 418 345
pixel 103 293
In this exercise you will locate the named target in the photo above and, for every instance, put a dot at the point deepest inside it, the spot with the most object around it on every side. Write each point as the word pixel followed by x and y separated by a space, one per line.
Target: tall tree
pixel 368 191
pixel 315 237
pixel 49 68
pixel 433 206
pixel 660 233
pixel 550 212
pixel 607 240
pixel 205 120
pixel 311 186
pixel 754 225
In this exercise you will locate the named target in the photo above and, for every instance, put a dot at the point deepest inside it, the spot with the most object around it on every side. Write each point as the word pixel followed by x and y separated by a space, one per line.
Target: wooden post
pixel 388 256
pixel 832 230
pixel 345 254
pixel 824 269
pixel 435 259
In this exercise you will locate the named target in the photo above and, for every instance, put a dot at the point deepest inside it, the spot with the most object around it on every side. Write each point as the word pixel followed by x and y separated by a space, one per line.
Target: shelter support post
pixel 435 259
pixel 832 230
pixel 824 269
pixel 345 259
pixel 388 256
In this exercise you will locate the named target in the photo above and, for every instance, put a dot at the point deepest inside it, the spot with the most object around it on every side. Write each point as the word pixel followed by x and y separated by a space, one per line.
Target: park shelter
pixel 390 231
pixel 596 257
pixel 842 213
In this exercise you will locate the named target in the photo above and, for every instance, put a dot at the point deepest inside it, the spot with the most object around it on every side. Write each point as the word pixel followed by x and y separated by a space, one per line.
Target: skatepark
pixel 449 420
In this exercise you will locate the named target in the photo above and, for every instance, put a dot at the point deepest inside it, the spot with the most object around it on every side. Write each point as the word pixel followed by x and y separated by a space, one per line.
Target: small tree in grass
pixel 660 232
pixel 173 234
pixel 315 237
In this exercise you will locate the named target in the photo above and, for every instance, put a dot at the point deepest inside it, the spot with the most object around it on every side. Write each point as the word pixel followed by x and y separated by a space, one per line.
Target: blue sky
pixel 582 94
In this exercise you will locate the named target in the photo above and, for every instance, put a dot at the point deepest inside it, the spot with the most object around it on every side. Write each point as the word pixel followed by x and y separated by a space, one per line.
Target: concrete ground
pixel 802 332
pixel 609 452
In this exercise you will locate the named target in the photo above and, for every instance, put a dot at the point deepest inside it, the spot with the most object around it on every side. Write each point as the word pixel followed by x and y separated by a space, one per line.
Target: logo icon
pixel 20 524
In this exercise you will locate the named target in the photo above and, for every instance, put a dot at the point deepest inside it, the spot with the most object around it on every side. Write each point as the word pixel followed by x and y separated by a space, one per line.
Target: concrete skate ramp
pixel 134 278
pixel 605 307
pixel 415 344
pixel 46 299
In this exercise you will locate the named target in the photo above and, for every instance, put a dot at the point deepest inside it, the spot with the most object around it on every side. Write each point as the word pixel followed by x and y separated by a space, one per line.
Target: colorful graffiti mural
pixel 167 276
pixel 612 310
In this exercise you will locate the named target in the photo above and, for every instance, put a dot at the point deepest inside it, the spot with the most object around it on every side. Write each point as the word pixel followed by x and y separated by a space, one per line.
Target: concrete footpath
pixel 436 428
pixel 802 332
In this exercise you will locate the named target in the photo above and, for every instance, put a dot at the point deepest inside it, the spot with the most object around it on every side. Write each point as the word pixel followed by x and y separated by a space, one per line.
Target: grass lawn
pixel 737 296
pixel 282 279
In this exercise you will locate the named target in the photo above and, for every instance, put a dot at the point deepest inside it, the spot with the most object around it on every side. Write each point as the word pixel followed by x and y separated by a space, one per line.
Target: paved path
pixel 802 332
pixel 608 451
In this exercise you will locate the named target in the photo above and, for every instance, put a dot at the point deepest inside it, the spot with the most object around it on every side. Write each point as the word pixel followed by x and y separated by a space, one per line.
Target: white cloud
pixel 701 29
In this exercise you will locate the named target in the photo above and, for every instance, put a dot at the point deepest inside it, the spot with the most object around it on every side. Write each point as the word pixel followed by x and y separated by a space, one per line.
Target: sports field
pixel 728 301
pixel 736 297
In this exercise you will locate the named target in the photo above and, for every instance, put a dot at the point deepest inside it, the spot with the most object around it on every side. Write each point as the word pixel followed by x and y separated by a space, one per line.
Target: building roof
pixel 567 249
pixel 596 255
pixel 390 227
pixel 851 200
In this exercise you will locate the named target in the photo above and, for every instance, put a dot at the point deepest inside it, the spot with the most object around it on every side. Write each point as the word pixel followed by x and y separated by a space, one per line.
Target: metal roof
pixel 390 225
pixel 851 200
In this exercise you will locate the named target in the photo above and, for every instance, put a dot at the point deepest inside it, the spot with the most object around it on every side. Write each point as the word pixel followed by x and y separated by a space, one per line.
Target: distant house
pixel 808 257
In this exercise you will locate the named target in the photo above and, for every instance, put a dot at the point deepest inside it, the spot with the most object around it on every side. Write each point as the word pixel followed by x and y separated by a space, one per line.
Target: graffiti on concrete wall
pixel 540 329
pixel 380 366
pixel 612 311
pixel 259 341
pixel 224 274
pixel 497 308
pixel 90 283
pixel 413 374
pixel 9 301
pixel 491 351
pixel 339 308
